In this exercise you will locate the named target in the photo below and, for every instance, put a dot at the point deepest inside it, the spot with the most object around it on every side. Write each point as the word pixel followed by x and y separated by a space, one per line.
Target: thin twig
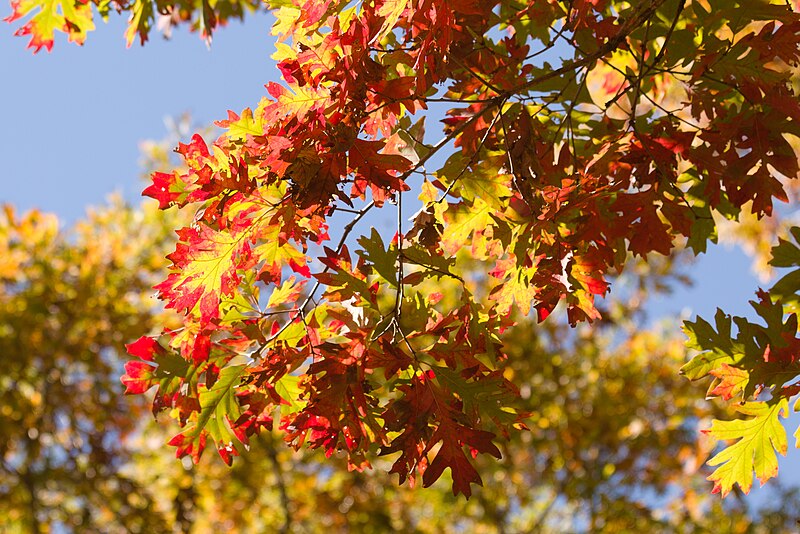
pixel 398 303
pixel 434 269
pixel 660 55
pixel 474 155
pixel 345 234
pixel 550 46
pixel 361 213
pixel 475 75
pixel 277 312
pixel 646 10
pixel 642 72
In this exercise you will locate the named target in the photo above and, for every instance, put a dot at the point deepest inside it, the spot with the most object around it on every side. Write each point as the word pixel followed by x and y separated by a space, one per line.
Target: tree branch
pixel 645 10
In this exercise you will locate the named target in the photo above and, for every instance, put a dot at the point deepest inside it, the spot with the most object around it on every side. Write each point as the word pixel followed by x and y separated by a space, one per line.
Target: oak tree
pixel 576 136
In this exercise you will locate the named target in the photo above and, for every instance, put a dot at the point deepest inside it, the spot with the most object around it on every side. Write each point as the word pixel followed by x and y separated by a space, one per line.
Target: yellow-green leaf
pixel 754 452
pixel 286 293
pixel 288 387
pixel 462 222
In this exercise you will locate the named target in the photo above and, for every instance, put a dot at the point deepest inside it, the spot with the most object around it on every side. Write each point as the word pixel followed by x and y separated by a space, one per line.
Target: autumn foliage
pixel 575 136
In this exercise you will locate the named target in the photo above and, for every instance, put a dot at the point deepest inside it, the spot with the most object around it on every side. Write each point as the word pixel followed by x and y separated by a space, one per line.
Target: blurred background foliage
pixel 613 446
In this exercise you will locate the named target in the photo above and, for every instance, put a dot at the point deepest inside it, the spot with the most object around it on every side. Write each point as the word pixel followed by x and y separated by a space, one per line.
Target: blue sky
pixel 72 121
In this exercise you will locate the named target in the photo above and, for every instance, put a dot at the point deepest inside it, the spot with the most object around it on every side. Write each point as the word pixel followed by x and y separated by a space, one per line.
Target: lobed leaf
pixel 758 438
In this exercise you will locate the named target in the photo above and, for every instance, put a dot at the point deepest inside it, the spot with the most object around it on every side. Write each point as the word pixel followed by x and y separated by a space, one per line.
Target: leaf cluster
pixel 581 134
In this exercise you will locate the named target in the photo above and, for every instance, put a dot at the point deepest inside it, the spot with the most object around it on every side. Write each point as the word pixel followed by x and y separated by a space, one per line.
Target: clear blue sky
pixel 72 121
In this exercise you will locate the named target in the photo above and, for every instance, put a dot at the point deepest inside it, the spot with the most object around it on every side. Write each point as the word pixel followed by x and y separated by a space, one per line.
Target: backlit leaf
pixel 758 439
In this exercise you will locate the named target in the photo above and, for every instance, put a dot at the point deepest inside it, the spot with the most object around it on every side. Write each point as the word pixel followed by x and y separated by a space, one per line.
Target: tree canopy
pixel 613 444
pixel 579 140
